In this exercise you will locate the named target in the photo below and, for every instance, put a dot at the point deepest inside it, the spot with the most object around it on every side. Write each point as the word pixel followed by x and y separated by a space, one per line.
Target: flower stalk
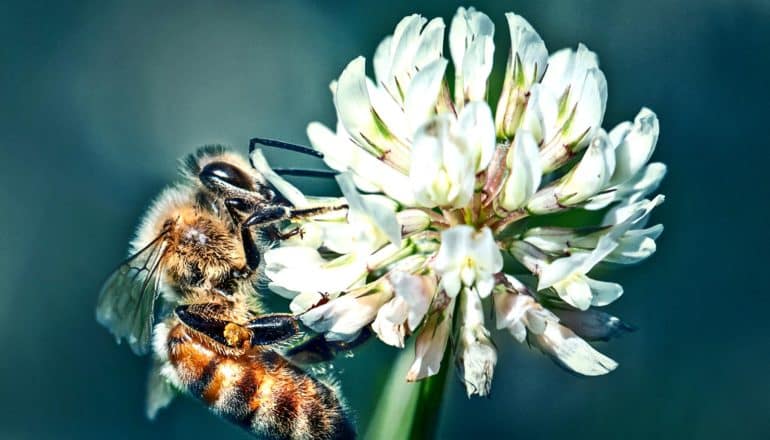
pixel 409 410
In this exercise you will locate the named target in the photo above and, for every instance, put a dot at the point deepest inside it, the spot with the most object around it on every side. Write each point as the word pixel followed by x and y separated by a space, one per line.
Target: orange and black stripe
pixel 260 391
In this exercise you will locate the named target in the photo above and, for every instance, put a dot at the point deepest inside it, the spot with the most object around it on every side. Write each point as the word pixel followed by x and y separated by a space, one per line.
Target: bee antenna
pixel 284 146
pixel 302 172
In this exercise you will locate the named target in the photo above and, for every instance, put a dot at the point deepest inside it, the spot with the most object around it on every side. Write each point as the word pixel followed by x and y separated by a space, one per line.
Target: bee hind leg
pixel 263 330
pixel 317 349
pixel 272 328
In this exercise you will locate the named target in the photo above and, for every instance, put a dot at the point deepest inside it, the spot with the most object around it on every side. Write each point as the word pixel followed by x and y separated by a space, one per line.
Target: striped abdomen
pixel 260 390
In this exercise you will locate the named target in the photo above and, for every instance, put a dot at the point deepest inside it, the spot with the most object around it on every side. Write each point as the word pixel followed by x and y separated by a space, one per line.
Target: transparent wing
pixel 126 301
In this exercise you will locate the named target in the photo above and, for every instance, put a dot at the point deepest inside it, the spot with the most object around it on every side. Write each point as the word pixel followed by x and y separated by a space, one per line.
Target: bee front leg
pixel 235 206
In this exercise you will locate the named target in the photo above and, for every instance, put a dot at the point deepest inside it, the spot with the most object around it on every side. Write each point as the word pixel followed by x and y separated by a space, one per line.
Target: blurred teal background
pixel 98 100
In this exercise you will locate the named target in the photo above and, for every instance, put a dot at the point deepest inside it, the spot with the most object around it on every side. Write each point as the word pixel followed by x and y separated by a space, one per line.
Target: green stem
pixel 409 410
pixel 430 396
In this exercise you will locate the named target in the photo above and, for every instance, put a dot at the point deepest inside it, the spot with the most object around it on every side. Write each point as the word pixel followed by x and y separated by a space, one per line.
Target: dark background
pixel 98 99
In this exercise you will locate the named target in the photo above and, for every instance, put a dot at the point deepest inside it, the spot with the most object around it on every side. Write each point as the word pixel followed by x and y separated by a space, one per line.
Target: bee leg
pixel 203 319
pixel 263 330
pixel 250 249
pixel 318 349
pixel 269 329
pixel 266 215
pixel 312 212
pixel 275 234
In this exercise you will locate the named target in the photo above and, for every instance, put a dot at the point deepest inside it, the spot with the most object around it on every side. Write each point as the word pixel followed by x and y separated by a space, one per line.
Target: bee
pixel 198 249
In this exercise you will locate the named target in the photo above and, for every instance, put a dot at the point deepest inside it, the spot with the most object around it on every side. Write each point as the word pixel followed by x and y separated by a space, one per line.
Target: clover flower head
pixel 453 209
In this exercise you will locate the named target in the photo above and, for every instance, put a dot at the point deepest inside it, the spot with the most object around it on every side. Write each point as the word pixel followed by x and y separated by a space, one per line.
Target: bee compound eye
pixel 220 175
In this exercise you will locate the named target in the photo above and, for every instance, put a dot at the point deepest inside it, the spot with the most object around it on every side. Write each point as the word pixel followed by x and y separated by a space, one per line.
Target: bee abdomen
pixel 261 392
pixel 299 406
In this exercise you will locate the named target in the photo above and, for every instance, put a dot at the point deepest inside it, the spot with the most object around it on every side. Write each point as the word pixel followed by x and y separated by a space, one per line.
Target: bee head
pixel 225 178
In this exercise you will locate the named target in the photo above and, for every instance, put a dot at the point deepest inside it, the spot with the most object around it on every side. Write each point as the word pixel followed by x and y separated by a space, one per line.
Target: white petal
pixel 485 285
pixel 603 292
pixel 530 257
pixel 389 323
pixel 537 319
pixel 354 107
pixel 575 291
pixel 468 258
pixel 382 60
pixel 301 269
pixel 338 153
pixel 417 293
pixel 286 189
pixel 572 352
pixel 518 331
pixel 388 110
pixel 526 63
pixel 441 171
pixel 426 171
pixel 567 67
pixel 405 36
pixel 450 282
pixel 406 42
pixel 475 123
pixel 635 245
pixel 342 318
pixel 430 345
pixel 523 163
pixel 510 308
pixel 413 220
pixel 541 114
pixel 636 147
pixel 380 215
pixel 589 108
pixel 528 46
pixel 561 269
pixel 591 174
pixel 466 25
pixel 485 252
pixel 635 214
pixel 573 76
pixel 455 243
pixel 431 44
pixel 423 93
pixel 370 173
pixel 304 301
pixel 477 65
pixel 636 188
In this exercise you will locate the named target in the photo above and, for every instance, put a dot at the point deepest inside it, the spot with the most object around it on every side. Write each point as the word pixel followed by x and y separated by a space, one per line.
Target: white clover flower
pixel 444 188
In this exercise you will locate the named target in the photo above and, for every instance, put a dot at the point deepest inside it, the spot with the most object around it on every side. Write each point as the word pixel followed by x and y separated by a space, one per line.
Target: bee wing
pixel 126 301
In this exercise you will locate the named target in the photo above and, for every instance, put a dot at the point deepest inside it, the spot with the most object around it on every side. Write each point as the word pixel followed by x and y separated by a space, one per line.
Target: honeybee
pixel 196 248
